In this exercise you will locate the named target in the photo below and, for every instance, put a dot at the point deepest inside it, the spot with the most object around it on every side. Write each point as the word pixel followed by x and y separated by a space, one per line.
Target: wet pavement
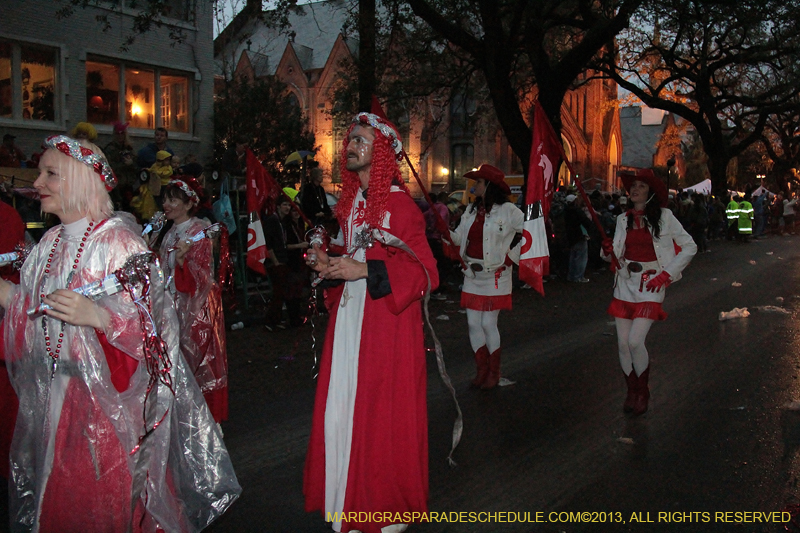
pixel 720 436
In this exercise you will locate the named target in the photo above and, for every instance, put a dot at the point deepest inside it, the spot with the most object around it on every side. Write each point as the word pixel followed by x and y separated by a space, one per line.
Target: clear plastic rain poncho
pixel 200 312
pixel 99 445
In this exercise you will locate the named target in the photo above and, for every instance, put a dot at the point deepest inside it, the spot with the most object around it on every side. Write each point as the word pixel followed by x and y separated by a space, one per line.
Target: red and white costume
pixel 631 298
pixel 368 450
pixel 489 288
pixel 648 266
pixel 198 302
pixel 77 461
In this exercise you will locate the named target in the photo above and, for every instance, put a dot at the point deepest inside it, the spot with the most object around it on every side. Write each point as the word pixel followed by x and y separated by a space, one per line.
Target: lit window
pixel 174 102
pixel 152 97
pixel 102 92
pixel 32 95
pixel 5 80
pixel 139 97
pixel 38 83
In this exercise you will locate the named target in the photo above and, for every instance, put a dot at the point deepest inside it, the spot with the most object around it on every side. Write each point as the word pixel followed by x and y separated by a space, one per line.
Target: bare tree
pixel 726 67
pixel 516 44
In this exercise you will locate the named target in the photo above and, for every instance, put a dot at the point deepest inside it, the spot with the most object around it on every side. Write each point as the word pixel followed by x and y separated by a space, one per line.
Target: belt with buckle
pixel 476 267
pixel 634 267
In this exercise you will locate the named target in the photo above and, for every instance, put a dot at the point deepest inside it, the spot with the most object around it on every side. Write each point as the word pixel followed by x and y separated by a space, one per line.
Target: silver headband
pixel 387 131
pixel 72 148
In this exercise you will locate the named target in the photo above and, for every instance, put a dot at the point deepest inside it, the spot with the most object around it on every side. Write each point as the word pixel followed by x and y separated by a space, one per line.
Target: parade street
pixel 718 436
pixel 719 444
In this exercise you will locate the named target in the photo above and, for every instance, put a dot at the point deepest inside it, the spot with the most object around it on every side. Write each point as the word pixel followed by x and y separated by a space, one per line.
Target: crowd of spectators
pixel 137 192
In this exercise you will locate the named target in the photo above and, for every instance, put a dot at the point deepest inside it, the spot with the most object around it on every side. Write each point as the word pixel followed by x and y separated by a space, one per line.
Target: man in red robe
pixel 368 451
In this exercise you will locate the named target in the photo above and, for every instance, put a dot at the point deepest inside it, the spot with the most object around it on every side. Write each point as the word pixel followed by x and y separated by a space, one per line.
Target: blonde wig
pixel 82 189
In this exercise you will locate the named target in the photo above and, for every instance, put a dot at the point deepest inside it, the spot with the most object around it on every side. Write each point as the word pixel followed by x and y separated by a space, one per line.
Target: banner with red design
pixel 545 159
pixel 258 192
pixel 534 259
pixel 256 245
pixel 544 162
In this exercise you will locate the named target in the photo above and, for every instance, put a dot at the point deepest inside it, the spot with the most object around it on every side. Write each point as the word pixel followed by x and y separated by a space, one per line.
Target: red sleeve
pixel 121 365
pixel 13 232
pixel 406 274
pixel 184 281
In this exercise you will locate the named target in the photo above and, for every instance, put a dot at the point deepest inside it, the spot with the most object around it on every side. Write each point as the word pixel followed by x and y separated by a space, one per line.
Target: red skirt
pixel 479 302
pixel 632 310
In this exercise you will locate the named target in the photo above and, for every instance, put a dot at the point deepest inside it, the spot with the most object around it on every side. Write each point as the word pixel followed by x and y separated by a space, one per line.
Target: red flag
pixel 545 158
pixel 260 187
pixel 544 161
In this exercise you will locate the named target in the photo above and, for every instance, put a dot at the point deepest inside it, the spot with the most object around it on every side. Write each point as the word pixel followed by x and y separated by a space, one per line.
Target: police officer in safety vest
pixel 745 221
pixel 732 212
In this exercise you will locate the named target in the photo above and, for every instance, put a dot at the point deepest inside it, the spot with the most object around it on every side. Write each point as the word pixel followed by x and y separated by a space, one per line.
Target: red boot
pixel 482 365
pixel 633 386
pixel 494 370
pixel 643 393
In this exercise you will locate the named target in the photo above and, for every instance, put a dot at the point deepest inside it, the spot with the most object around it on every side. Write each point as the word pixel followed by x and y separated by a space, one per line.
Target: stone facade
pixel 32 25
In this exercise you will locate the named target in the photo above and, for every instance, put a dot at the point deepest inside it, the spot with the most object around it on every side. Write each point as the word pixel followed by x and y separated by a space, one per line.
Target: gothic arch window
pixel 613 162
pixel 564 175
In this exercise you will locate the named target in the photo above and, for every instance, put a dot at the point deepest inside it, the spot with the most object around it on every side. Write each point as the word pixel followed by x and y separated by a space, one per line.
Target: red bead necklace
pixel 75 264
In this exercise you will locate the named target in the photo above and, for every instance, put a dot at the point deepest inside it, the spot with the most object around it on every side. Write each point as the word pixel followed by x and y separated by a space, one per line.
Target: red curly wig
pixel 384 172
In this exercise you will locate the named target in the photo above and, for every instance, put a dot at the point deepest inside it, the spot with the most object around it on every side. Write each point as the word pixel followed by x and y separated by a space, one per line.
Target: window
pixel 174 108
pixel 175 9
pixel 462 159
pixel 151 97
pixel 102 93
pixel 339 129
pixel 140 98
pixel 38 83
pixel 5 80
pixel 27 81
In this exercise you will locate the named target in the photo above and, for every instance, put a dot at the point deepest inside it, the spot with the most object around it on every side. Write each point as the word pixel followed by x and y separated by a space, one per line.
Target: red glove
pixel 662 280
pixel 608 246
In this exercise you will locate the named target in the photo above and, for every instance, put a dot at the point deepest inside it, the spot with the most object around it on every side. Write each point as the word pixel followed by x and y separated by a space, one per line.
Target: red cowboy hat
pixel 645 175
pixel 490 174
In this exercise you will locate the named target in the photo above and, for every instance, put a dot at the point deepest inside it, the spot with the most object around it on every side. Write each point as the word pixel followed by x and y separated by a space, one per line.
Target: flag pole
pixel 595 218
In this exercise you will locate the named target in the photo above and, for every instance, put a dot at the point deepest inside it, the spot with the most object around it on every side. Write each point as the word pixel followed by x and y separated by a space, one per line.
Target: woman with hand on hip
pixel 489 229
pixel 653 249
pixel 112 433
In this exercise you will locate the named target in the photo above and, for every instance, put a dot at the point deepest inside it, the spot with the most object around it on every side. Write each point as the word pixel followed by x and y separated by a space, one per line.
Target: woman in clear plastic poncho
pixel 189 269
pixel 109 437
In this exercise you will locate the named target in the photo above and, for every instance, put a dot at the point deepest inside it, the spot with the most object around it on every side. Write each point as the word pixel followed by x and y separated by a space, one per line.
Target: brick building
pixel 56 72
pixel 308 58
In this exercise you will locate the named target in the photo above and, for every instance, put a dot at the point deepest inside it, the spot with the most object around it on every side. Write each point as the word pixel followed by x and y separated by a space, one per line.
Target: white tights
pixel 631 335
pixel 483 329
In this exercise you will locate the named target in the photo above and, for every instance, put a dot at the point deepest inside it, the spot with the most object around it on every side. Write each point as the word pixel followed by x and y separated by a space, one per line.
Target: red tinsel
pixel 156 356
pixel 225 273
